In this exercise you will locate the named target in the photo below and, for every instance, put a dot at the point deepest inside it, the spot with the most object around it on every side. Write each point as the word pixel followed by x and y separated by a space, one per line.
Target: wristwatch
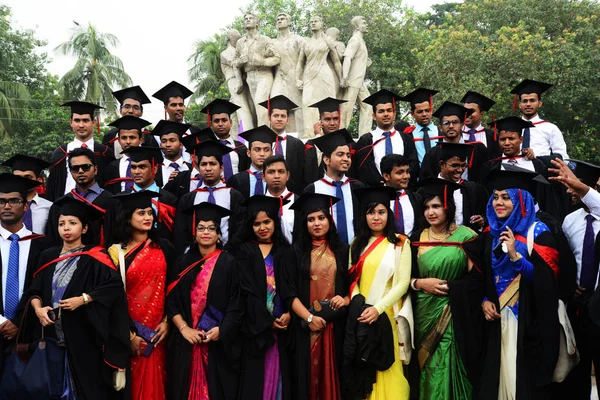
pixel 309 319
pixel 517 257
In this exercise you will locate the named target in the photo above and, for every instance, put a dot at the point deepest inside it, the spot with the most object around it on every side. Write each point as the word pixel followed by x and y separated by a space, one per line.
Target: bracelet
pixel 413 285
pixel 164 319
pixel 182 326
pixel 132 336
pixel 86 299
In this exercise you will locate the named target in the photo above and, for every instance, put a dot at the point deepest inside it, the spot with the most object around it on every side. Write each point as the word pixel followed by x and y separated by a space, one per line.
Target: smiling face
pixel 263 227
pixel 529 104
pixel 503 205
pixel 453 168
pixel 175 109
pixel 473 120
pixel 377 219
pixel 142 219
pixel 317 224
pixel 339 161
pixel 434 212
pixel 398 178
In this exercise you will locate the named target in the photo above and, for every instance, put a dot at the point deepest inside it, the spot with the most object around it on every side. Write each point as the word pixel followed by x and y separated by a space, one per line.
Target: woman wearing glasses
pixel 203 303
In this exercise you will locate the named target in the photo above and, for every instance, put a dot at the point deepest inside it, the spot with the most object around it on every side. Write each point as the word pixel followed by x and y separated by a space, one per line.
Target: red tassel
pixel 515 102
pixel 523 211
pixel 430 103
pixel 280 206
pixel 465 119
pixel 102 236
pixel 152 166
pixel 194 225
pixel 393 106
pixel 445 197
pixel 472 157
pixel 208 118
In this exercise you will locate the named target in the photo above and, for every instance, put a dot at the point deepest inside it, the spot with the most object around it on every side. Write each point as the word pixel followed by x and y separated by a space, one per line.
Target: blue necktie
pixel 11 296
pixel 211 195
pixel 426 140
pixel 340 211
pixel 128 184
pixel 27 218
pixel 227 166
pixel 279 146
pixel 258 187
pixel 472 135
pixel 388 143
pixel 526 137
pixel 399 214
pixel 589 268
pixel 175 166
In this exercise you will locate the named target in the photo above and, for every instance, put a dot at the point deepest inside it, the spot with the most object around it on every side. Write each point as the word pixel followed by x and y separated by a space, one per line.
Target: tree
pixel 96 70
pixel 206 67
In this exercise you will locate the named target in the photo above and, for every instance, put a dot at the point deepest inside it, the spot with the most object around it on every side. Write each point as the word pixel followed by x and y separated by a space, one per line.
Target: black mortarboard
pixel 261 134
pixel 449 108
pixel 71 206
pixel 434 186
pixel 328 104
pixel 311 202
pixel 206 211
pixel 165 127
pixel 81 107
pixel 511 177
pixel 141 153
pixel 134 92
pixel 279 102
pixel 219 106
pixel 203 135
pixel 129 122
pixel 210 148
pixel 376 194
pixel 529 86
pixel 511 124
pixel 268 204
pixel 484 103
pixel 328 143
pixel 21 162
pixel 172 89
pixel 449 150
pixel 382 97
pixel 588 173
pixel 14 183
pixel 420 95
pixel 135 200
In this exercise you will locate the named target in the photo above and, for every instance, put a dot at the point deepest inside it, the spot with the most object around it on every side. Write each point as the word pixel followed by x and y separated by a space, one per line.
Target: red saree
pixel 146 285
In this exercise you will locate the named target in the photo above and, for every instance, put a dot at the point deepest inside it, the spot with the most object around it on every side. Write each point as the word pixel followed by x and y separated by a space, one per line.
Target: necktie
pixel 472 135
pixel 399 216
pixel 211 195
pixel 258 187
pixel 589 268
pixel 175 166
pixel 227 167
pixel 200 181
pixel 279 146
pixel 128 184
pixel 526 137
pixel 11 295
pixel 27 218
pixel 340 211
pixel 514 162
pixel 84 146
pixel 388 143
pixel 426 140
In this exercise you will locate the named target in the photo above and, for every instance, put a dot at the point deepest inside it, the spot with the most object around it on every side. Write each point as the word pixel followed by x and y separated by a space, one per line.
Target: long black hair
pixel 450 211
pixel 124 231
pixel 246 234
pixel 363 232
pixel 304 242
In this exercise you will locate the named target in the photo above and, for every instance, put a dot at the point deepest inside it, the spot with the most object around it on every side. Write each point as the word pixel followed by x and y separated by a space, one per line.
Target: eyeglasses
pixel 457 166
pixel 12 202
pixel 129 107
pixel 84 167
pixel 448 123
pixel 210 229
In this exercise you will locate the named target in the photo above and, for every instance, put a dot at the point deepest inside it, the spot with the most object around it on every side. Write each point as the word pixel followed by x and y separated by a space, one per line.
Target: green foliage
pixel 206 68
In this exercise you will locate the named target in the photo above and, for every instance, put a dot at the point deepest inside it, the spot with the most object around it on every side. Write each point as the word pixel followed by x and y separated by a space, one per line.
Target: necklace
pixel 438 237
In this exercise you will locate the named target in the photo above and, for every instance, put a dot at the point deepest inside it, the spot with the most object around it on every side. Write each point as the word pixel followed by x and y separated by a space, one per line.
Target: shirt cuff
pixel 3 319
pixel 592 201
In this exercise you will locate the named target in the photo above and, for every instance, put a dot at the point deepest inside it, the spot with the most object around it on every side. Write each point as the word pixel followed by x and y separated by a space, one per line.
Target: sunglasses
pixel 84 167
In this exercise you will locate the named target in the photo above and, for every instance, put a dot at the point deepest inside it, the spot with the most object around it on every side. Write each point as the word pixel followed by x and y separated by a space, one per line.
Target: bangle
pixel 413 285
pixel 182 326
pixel 164 319
pixel 132 336
pixel 86 299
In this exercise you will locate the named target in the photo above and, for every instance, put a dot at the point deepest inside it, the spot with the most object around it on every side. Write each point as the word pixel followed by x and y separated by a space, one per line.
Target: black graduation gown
pixel 97 334
pixel 242 153
pixel 180 185
pixel 223 355
pixel 475 200
pixel 257 325
pixel 105 201
pixel 294 156
pixel 241 183
pixel 313 170
pixel 492 142
pixel 430 167
pixel 365 162
pixel 182 231
pixel 55 185
pixel 111 173
pixel 538 328
pixel 295 283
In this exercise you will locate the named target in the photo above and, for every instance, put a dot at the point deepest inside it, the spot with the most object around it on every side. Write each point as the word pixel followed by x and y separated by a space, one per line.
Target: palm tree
pixel 206 66
pixel 96 70
pixel 13 100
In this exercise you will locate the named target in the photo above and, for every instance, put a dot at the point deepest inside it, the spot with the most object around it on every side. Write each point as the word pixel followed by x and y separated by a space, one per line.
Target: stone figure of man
pixel 334 34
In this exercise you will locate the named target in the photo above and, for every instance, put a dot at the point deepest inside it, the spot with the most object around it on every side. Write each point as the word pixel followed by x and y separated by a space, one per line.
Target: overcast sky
pixel 156 37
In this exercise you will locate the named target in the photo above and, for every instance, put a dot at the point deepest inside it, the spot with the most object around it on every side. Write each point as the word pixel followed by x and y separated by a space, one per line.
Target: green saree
pixel 443 374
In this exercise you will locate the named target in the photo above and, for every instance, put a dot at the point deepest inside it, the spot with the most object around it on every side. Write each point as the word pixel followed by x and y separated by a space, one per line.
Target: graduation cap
pixel 258 203
pixel 82 107
pixel 135 200
pixel 219 106
pixel 311 202
pixel 383 96
pixel 85 212
pixel 279 102
pixel 434 186
pixel 173 89
pixel 134 92
pixel 206 211
pixel 203 135
pixel 142 153
pixel 129 122
pixel 449 108
pixel 512 177
pixel 449 150
pixel 484 103
pixel 421 95
pixel 210 148
pixel 530 86
pixel 165 127
pixel 22 162
pixel 262 134
pixel 587 172
pixel 328 104
pixel 14 183
pixel 328 143
pixel 511 124
pixel 376 194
